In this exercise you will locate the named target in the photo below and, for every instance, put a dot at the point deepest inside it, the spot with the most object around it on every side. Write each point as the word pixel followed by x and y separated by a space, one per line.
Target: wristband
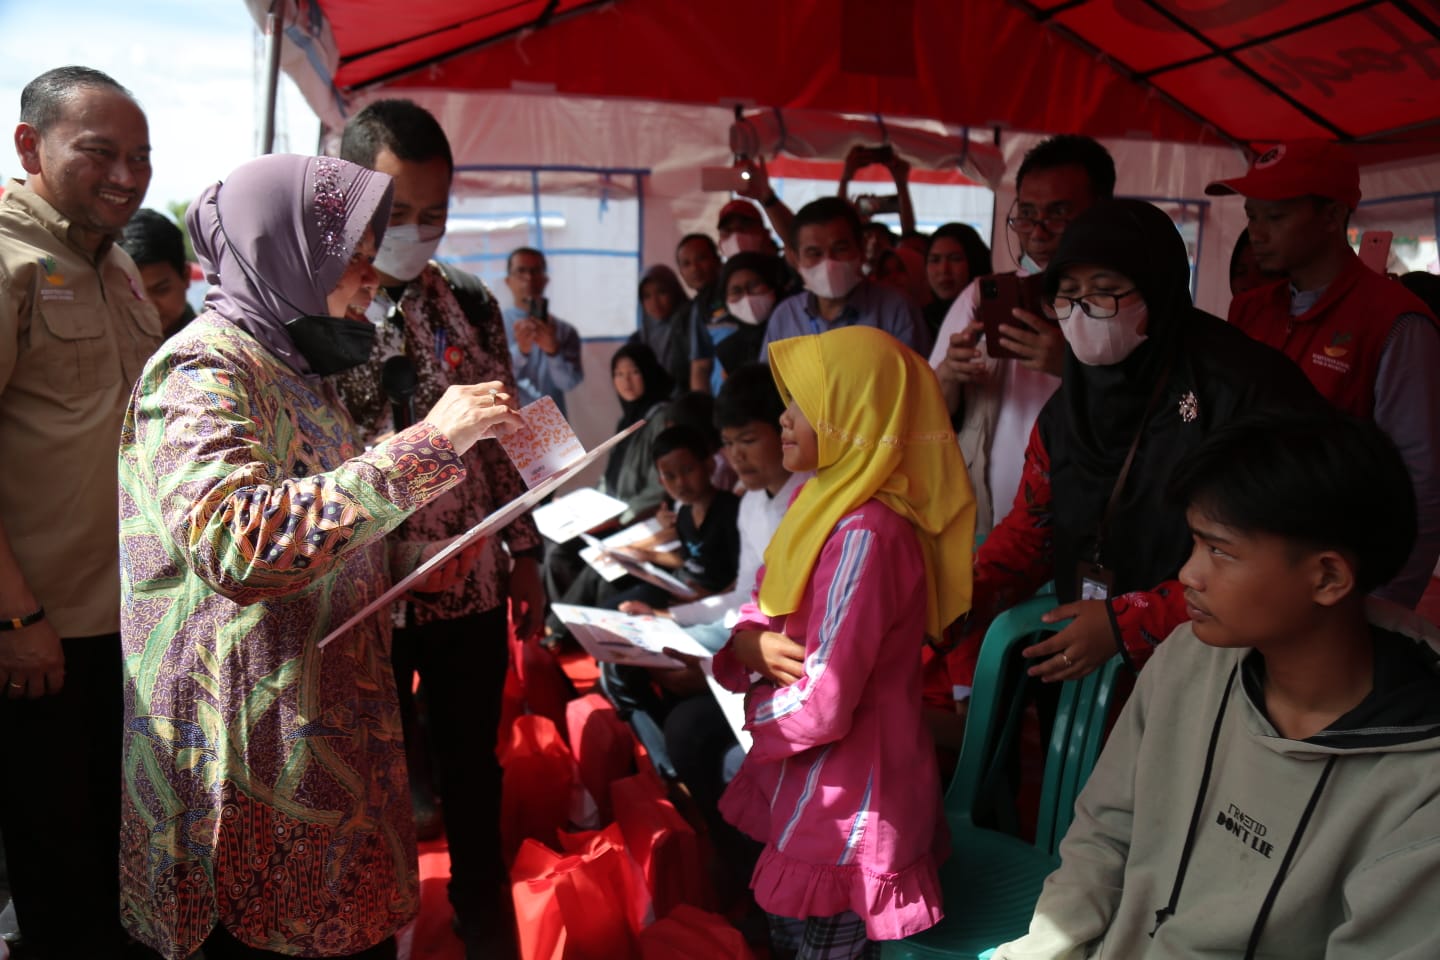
pixel 16 623
pixel 770 200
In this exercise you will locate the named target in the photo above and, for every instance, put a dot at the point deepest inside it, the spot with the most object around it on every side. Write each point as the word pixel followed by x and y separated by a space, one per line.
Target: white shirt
pixel 760 514
pixel 1023 394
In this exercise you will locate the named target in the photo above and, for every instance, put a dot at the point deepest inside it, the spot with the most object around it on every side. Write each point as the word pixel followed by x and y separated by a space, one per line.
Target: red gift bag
pixel 538 787
pixel 546 687
pixel 573 906
pixel 602 744
pixel 638 909
pixel 690 933
pixel 662 842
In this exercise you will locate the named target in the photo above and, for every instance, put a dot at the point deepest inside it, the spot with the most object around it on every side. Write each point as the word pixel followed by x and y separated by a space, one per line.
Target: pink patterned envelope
pixel 545 446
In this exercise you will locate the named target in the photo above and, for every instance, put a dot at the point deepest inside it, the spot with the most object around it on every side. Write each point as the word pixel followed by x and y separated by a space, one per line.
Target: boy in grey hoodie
pixel 1272 789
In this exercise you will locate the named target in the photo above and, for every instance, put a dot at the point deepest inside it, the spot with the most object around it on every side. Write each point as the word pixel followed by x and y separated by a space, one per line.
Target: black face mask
pixel 332 344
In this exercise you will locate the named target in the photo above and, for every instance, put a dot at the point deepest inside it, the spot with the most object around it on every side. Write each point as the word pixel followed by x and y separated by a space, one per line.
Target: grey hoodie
pixel 1203 833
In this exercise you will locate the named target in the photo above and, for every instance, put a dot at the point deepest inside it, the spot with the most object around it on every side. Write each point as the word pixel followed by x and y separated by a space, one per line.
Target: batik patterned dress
pixel 265 785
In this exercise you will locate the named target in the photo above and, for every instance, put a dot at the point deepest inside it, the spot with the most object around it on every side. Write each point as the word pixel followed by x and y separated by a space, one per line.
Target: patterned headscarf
pixel 884 434
pixel 275 238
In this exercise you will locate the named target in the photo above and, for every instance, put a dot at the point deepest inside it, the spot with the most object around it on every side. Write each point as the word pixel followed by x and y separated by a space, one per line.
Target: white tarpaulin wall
pixel 670 143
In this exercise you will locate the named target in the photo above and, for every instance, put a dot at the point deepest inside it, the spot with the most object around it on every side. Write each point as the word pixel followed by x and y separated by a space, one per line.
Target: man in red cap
pixel 1366 343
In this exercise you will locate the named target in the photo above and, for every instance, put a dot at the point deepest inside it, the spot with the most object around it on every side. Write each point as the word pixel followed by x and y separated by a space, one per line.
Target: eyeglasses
pixel 1097 306
pixel 1028 224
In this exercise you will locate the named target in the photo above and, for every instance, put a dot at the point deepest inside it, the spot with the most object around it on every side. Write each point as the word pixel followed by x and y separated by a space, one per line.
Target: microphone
pixel 399 380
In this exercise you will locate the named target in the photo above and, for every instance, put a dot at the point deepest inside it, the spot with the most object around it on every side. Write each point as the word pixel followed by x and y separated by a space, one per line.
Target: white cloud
pixel 196 68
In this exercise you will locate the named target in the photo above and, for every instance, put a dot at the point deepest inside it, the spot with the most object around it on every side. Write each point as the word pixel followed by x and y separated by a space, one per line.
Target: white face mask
pixel 1100 343
pixel 832 279
pixel 741 242
pixel 406 249
pixel 753 308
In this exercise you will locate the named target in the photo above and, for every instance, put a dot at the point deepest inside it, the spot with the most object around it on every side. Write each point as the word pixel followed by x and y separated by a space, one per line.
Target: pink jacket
pixel 841 784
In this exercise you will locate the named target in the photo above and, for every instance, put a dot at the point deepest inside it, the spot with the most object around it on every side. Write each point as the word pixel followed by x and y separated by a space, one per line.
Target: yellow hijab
pixel 884 433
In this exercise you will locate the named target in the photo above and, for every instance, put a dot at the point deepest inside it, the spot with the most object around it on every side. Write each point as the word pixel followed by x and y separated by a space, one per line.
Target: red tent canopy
pixel 1247 71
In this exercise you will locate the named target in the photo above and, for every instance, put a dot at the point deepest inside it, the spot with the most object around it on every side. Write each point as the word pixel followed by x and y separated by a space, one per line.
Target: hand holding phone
pixel 1001 294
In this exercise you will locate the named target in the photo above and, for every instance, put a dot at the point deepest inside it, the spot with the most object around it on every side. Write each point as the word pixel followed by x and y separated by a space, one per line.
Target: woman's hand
pixel 639 608
pixel 1037 343
pixel 772 655
pixel 467 413
pixel 452 571
pixel 1078 650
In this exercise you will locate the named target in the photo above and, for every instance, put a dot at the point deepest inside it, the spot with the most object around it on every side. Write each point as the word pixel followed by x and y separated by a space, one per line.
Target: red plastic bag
pixel 537 790
pixel 690 933
pixel 602 744
pixel 662 843
pixel 638 909
pixel 547 689
pixel 573 906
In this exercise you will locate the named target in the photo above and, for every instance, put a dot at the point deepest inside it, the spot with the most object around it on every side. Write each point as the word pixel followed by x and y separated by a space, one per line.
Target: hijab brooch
pixel 1189 407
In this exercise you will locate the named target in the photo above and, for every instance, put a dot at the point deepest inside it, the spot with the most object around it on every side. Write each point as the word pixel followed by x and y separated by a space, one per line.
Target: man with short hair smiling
pixel 448 323
pixel 830 249
pixel 75 332
pixel 1367 344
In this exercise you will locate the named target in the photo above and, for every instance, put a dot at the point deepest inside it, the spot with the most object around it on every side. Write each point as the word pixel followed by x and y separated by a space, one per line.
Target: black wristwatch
pixel 17 623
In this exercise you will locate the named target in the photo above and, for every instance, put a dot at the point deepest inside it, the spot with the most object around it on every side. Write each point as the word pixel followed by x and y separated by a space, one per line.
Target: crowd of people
pixel 860 472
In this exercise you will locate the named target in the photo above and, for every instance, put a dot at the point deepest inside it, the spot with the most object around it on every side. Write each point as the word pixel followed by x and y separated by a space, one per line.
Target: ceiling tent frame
pixel 1048 17
pixel 546 17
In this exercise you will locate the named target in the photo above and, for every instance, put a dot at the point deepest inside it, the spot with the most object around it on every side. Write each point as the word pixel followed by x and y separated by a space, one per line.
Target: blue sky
pixel 194 65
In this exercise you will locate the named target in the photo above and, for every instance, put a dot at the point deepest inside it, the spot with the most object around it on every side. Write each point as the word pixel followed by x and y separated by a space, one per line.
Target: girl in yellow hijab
pixel 874 554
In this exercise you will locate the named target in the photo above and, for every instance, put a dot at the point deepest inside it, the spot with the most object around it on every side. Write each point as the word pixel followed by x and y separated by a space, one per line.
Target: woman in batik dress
pixel 265 804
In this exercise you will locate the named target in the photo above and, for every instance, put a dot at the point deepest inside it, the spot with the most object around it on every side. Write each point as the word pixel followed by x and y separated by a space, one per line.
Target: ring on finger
pixel 1065 659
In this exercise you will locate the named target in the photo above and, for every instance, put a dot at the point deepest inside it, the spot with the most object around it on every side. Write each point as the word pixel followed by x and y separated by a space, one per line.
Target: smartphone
pixel 1000 293
pixel 540 309
pixel 723 179
pixel 1375 249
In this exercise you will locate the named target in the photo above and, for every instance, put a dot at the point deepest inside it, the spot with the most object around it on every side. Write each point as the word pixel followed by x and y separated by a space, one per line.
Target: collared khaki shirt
pixel 75 331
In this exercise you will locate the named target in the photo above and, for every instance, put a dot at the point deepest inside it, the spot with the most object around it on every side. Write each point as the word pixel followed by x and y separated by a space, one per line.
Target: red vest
pixel 1338 341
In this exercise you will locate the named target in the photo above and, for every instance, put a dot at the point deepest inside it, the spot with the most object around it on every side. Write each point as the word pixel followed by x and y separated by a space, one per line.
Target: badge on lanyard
pixel 1093 581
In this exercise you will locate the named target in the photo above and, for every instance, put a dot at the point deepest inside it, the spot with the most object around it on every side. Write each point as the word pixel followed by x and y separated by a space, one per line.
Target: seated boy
pixel 705 521
pixel 1273 786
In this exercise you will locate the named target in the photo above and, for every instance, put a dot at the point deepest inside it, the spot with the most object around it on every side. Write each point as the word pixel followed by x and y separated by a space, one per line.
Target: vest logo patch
pixel 1247 830
pixel 1337 347
pixel 49 266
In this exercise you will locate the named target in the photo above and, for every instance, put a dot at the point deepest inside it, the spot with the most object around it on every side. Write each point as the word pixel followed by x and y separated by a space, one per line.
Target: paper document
pixel 645 570
pixel 545 446
pixel 615 637
pixel 646 533
pixel 567 517
pixel 490 526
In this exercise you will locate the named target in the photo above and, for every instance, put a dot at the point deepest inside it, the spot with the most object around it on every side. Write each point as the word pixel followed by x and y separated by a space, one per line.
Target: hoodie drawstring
pixel 1274 890
pixel 1168 911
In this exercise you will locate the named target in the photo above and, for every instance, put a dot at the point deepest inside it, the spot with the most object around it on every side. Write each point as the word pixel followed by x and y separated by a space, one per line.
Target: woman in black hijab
pixel 1147 377
pixel 644 388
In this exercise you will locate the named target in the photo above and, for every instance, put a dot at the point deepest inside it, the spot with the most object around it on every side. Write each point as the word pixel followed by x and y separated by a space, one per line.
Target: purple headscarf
pixel 290 226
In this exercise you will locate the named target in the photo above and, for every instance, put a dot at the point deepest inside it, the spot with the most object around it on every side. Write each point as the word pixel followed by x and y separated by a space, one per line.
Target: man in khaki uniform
pixel 75 331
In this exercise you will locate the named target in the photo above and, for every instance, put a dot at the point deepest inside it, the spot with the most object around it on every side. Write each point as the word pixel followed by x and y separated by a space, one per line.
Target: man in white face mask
pixel 439 326
pixel 829 250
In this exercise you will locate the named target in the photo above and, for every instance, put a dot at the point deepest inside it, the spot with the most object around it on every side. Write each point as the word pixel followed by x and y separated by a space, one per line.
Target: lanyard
pixel 1119 487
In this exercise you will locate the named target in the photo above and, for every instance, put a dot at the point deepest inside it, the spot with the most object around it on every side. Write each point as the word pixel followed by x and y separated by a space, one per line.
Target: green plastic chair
pixel 992 879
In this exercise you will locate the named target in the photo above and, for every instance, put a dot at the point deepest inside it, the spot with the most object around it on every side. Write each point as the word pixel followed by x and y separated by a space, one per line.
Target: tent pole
pixel 273 40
